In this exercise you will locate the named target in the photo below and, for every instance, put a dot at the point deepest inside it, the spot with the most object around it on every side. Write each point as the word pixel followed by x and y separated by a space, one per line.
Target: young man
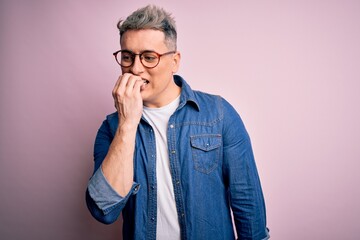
pixel 173 161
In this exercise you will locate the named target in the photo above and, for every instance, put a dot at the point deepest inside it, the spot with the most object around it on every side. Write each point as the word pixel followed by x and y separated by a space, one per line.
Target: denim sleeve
pixel 104 203
pixel 246 197
pixel 105 197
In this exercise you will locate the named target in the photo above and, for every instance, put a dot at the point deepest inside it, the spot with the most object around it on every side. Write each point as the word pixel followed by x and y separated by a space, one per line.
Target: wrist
pixel 127 127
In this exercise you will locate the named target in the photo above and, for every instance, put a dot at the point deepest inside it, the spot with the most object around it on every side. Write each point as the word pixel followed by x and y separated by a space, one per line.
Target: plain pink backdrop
pixel 291 68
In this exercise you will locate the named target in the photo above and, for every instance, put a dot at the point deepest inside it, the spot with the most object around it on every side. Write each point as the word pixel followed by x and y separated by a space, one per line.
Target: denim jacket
pixel 212 167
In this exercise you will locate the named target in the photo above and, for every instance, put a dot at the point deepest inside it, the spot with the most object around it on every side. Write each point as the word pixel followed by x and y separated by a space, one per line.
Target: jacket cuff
pixel 104 196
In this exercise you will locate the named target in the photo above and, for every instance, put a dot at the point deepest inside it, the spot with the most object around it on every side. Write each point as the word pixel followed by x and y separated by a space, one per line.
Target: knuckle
pixel 115 92
pixel 127 94
pixel 126 75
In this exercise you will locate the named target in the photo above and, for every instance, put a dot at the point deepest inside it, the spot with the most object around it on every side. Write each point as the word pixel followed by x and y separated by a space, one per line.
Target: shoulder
pixel 110 124
pixel 112 117
pixel 213 103
pixel 204 96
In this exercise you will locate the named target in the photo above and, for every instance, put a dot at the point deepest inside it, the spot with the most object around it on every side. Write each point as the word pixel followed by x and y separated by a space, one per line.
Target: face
pixel 160 89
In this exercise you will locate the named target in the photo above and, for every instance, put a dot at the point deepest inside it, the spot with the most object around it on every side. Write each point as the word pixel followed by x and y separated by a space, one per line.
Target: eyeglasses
pixel 148 59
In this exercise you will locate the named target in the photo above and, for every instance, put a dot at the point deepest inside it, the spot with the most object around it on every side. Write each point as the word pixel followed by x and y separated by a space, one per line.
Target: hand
pixel 128 100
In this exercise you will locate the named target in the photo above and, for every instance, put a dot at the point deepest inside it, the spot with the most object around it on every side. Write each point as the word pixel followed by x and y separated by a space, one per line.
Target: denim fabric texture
pixel 213 172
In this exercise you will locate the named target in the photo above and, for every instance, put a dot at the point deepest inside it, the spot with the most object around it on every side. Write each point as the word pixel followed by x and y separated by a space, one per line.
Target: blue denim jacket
pixel 212 167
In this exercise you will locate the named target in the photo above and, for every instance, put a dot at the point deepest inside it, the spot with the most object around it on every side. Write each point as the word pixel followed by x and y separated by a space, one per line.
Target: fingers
pixel 116 87
pixel 137 87
pixel 125 84
pixel 127 89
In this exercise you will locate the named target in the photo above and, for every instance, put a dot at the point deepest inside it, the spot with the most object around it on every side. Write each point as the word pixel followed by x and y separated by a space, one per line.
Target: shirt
pixel 167 223
pixel 212 168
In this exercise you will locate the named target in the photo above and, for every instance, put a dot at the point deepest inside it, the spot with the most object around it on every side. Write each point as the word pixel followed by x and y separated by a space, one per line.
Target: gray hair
pixel 151 17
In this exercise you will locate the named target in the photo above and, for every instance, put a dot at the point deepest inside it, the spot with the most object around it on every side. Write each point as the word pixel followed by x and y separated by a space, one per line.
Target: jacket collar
pixel 187 94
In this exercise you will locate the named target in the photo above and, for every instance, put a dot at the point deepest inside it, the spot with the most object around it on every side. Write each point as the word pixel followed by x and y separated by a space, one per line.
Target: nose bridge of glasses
pixel 137 63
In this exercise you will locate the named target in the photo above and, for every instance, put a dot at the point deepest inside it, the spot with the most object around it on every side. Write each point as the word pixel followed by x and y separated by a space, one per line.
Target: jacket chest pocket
pixel 206 151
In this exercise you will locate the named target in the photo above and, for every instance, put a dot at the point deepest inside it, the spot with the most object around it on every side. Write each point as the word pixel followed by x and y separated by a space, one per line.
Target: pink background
pixel 291 68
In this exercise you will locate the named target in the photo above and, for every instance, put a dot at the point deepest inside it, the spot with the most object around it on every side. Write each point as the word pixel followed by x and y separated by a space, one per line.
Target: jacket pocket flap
pixel 206 142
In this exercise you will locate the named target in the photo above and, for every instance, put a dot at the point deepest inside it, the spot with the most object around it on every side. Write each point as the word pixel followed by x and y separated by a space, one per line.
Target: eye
pixel 149 57
pixel 126 57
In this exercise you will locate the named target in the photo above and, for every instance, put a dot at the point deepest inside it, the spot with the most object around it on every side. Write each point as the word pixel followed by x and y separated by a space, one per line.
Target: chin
pixel 144 96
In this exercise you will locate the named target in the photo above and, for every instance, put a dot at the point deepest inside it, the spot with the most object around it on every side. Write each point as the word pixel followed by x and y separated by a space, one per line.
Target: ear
pixel 176 62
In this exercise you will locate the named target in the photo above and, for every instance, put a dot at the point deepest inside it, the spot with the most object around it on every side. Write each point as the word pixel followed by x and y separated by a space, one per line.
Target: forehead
pixel 141 40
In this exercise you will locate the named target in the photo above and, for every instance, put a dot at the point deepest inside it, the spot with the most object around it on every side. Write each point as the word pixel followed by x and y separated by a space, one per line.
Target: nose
pixel 137 66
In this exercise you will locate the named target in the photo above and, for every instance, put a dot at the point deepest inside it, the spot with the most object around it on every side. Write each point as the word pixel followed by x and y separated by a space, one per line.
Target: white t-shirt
pixel 167 220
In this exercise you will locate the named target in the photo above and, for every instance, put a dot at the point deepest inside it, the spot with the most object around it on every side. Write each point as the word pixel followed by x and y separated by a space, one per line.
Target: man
pixel 173 161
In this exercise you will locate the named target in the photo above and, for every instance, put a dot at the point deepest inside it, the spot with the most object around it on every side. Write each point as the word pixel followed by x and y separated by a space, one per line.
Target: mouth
pixel 146 82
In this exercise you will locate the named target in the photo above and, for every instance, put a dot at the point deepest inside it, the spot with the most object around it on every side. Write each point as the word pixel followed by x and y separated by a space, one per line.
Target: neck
pixel 167 96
